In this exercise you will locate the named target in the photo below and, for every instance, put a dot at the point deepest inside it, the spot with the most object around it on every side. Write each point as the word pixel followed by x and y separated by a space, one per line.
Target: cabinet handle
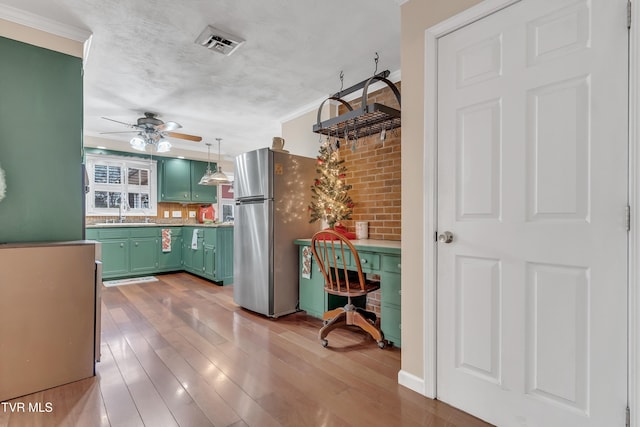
pixel 136 243
pixel 399 291
pixel 122 245
pixel 197 195
pixel 399 266
pixel 364 261
pixel 185 196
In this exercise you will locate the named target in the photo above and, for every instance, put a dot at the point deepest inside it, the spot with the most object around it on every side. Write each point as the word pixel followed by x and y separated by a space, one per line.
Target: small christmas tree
pixel 330 200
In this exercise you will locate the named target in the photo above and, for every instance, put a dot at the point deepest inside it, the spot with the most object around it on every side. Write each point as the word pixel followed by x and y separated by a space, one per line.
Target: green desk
pixel 380 257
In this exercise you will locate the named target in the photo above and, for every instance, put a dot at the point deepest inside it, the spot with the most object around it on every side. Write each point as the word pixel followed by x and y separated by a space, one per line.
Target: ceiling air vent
pixel 219 41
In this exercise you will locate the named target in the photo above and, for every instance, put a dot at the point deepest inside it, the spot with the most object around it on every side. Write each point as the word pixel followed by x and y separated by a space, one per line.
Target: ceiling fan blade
pixel 168 126
pixel 118 121
pixel 124 131
pixel 184 136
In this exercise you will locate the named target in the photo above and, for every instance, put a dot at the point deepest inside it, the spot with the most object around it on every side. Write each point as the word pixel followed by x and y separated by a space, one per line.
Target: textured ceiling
pixel 143 58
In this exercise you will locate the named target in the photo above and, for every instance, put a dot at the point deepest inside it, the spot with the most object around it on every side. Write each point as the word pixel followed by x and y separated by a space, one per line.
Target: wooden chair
pixel 329 249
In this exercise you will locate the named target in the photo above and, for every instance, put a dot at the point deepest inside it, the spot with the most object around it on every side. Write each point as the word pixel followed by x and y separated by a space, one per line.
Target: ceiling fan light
pixel 163 146
pixel 138 143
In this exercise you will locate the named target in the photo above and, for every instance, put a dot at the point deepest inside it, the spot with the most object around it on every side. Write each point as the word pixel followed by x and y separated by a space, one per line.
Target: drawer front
pixel 390 323
pixel 391 264
pixel 91 234
pixel 145 232
pixel 369 261
pixel 342 261
pixel 118 233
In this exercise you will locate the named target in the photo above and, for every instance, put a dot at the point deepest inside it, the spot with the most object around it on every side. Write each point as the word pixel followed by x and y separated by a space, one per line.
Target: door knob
pixel 446 237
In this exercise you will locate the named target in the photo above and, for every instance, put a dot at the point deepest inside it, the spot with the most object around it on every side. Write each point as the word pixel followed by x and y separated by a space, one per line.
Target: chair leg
pixel 339 320
pixel 328 315
pixel 368 315
pixel 356 318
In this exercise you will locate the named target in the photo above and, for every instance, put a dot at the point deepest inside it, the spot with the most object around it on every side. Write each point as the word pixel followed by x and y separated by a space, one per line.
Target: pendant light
pixel 206 178
pixel 219 177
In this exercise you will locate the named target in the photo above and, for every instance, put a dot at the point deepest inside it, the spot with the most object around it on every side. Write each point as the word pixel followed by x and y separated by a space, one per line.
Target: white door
pixel 532 184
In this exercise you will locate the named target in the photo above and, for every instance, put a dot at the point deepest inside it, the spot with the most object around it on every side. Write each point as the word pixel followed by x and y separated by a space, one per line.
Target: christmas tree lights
pixel 330 200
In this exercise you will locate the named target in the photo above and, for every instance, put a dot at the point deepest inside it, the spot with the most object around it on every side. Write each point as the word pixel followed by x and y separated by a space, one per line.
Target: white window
pixel 121 186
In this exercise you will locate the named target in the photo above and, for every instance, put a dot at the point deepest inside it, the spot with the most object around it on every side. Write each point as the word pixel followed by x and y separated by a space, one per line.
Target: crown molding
pixel 394 77
pixel 41 23
pixel 401 2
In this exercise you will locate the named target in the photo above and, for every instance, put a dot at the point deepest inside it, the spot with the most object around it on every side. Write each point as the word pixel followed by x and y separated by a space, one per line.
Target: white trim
pixel 394 77
pixel 411 381
pixel 634 234
pixel 430 176
pixel 38 22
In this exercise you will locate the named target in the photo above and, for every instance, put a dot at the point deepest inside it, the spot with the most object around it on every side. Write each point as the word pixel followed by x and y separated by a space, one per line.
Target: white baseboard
pixel 411 382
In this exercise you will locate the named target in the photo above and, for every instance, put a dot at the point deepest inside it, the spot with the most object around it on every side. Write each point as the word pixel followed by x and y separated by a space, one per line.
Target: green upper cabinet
pixel 174 180
pixel 40 143
pixel 202 193
pixel 178 182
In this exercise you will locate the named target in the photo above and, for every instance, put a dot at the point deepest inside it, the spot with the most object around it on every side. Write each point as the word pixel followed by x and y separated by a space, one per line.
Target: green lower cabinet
pixel 209 261
pixel 115 258
pixel 312 295
pixel 391 324
pixel 144 255
pixel 198 259
pixel 223 266
pixel 391 296
pixel 315 301
pixel 187 254
pixel 135 251
pixel 171 259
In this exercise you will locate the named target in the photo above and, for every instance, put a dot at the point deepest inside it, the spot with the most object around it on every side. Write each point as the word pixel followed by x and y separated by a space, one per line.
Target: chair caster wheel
pixel 382 344
pixel 324 343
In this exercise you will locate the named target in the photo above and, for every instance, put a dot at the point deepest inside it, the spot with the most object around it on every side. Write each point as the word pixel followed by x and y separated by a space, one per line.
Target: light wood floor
pixel 179 352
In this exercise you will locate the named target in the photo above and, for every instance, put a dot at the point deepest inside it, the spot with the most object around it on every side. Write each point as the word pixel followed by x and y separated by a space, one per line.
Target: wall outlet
pixel 192 214
pixel 176 214
pixel 166 214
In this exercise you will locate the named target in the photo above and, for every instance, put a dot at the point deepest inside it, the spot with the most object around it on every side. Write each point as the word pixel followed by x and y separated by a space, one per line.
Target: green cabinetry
pixel 202 193
pixel 178 182
pixel 134 251
pixel 115 250
pixel 375 259
pixel 171 260
pixel 115 256
pixel 390 305
pixel 212 258
pixel 143 246
pixel 313 299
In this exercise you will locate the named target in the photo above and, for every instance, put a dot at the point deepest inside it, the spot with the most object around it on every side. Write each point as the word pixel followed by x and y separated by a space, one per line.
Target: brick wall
pixel 373 170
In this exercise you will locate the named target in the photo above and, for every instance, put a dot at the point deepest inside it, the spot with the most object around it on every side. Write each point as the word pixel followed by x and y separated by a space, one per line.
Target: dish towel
pixel 166 240
pixel 306 262
pixel 194 239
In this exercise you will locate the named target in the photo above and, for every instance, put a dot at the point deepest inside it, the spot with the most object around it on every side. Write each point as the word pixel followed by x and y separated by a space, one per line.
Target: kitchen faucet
pixel 122 208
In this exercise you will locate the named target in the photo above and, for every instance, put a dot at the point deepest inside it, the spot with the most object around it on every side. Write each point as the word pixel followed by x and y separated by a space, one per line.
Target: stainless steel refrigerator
pixel 272 191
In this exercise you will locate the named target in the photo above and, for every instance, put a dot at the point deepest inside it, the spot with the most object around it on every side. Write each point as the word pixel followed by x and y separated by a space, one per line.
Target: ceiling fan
pixel 153 131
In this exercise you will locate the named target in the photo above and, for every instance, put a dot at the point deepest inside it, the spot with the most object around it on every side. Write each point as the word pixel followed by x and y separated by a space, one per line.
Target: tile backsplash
pixel 163 208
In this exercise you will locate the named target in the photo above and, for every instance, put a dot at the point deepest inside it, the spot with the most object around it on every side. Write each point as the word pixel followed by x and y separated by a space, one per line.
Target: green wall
pixel 40 144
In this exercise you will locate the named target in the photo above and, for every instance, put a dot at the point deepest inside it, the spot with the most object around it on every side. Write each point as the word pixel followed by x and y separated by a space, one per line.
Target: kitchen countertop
pixel 389 246
pixel 154 224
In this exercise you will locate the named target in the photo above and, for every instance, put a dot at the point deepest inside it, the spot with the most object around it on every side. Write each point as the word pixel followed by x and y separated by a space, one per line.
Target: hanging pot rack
pixel 367 120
